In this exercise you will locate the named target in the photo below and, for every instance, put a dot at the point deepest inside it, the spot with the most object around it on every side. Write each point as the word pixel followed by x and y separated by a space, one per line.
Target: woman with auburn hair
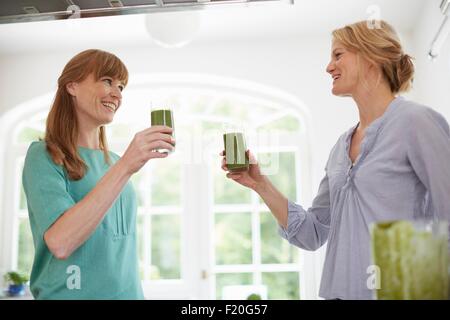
pixel 392 165
pixel 81 204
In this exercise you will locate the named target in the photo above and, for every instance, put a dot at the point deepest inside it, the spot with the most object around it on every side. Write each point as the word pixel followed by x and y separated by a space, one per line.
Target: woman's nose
pixel 330 67
pixel 116 93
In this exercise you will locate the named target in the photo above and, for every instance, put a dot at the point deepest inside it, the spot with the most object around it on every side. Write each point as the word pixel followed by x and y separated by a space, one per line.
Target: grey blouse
pixel 402 172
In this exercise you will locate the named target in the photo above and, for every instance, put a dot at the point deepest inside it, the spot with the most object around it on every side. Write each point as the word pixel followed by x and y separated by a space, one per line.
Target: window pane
pixel 228 279
pixel 139 187
pixel 121 132
pixel 199 104
pixel 27 135
pixel 212 126
pixel 26 247
pixel 165 175
pixel 275 249
pixel 23 199
pixel 227 191
pixel 228 108
pixel 287 123
pixel 140 245
pixel 166 246
pixel 233 238
pixel 240 110
pixel 282 165
pixel 282 285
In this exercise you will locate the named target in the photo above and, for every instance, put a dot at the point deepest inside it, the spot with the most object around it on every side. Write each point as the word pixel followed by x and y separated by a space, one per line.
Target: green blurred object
pixel 254 296
pixel 235 152
pixel 26 247
pixel 412 258
pixel 162 118
pixel 282 285
pixel 17 283
pixel 16 278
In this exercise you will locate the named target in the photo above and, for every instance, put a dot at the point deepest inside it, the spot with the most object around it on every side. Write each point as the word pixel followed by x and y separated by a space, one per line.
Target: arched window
pixel 200 235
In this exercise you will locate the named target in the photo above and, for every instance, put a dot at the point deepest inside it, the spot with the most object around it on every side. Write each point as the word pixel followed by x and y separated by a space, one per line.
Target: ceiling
pixel 228 22
pixel 39 10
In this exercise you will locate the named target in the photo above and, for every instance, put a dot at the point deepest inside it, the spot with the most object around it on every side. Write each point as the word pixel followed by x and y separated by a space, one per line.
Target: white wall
pixel 432 82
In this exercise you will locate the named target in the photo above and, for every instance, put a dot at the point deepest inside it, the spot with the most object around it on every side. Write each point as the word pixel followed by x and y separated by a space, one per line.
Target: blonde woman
pixel 81 204
pixel 393 164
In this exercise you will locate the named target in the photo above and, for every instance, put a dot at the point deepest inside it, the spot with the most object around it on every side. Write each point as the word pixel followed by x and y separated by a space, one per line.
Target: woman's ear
pixel 71 88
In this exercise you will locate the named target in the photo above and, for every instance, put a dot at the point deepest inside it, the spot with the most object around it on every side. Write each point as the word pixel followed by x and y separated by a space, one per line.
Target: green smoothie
pixel 413 261
pixel 163 117
pixel 236 156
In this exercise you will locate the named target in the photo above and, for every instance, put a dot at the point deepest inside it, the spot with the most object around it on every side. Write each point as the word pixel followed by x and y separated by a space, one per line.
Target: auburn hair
pixel 379 44
pixel 62 126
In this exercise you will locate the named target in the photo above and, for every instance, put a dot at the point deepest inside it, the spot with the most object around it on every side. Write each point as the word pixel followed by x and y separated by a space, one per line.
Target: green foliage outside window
pixel 233 238
pixel 137 180
pixel 22 199
pixel 228 279
pixel 284 177
pixel 165 177
pixel 227 191
pixel 166 256
pixel 282 285
pixel 275 249
pixel 26 247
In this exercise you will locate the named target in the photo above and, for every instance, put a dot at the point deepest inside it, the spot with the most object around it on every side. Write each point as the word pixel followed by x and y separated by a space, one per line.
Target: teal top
pixel 106 265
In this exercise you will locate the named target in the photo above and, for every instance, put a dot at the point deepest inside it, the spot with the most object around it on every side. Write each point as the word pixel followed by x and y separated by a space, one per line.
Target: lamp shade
pixel 173 29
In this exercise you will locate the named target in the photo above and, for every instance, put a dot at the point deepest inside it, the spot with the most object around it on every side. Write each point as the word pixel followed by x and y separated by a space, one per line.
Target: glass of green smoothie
pixel 162 117
pixel 236 156
pixel 413 259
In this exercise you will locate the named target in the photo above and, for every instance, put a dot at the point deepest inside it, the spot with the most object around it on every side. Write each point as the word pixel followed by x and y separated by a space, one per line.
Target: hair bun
pixel 405 73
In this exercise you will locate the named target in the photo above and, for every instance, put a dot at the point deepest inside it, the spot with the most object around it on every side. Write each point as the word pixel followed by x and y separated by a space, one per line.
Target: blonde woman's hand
pixel 144 145
pixel 252 178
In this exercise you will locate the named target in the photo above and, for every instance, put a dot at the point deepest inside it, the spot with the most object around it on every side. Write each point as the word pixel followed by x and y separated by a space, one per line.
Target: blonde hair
pixel 62 127
pixel 380 45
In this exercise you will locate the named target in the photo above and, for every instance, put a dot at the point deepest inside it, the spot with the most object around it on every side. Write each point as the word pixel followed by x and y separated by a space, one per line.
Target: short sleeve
pixel 45 187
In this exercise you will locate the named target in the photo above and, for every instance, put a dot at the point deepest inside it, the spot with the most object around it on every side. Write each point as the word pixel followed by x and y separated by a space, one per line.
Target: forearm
pixel 77 224
pixel 275 200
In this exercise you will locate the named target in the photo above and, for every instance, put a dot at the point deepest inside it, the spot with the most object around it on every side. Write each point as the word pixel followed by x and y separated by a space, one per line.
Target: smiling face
pixel 344 69
pixel 96 101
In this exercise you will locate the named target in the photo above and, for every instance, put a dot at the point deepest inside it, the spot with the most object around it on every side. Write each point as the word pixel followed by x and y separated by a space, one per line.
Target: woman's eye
pixel 110 83
pixel 338 55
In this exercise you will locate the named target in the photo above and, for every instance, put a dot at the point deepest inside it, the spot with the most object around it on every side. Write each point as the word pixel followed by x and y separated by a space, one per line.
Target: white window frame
pixel 291 143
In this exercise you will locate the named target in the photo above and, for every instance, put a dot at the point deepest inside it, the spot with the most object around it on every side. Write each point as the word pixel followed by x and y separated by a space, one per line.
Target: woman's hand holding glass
pixel 144 147
pixel 251 178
